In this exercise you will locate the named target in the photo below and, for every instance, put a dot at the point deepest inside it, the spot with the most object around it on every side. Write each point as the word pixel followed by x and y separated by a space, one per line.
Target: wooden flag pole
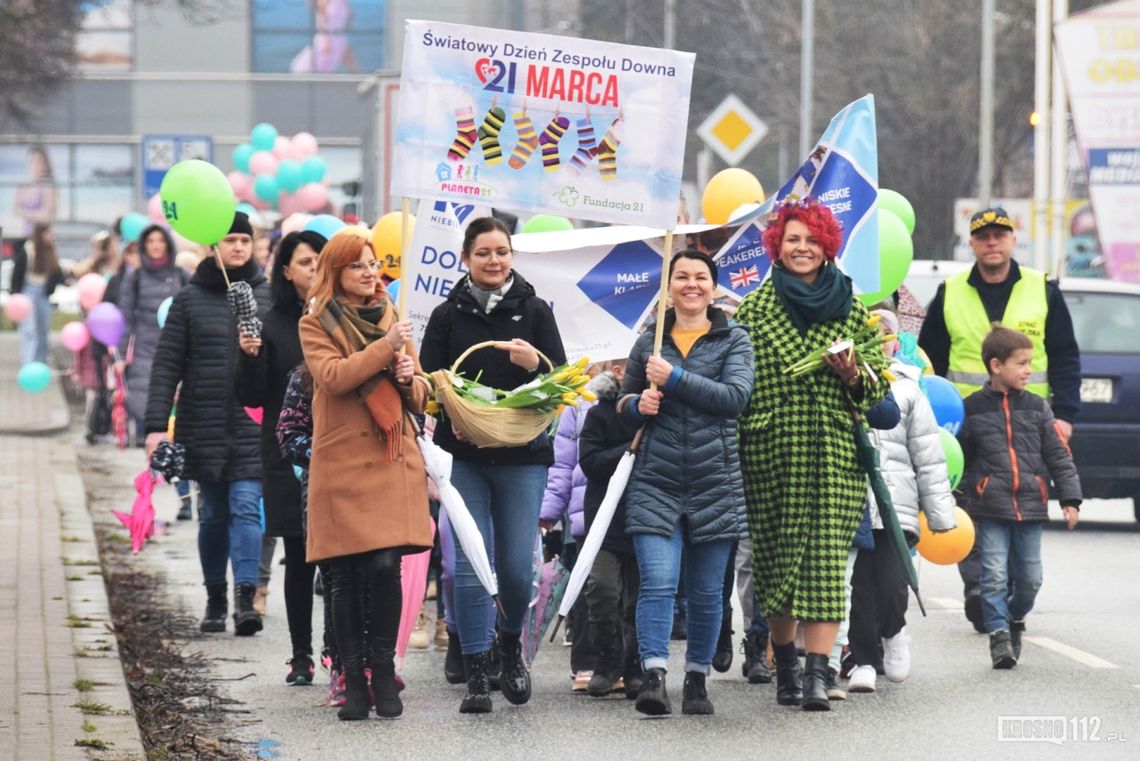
pixel 405 225
pixel 662 298
pixel 221 264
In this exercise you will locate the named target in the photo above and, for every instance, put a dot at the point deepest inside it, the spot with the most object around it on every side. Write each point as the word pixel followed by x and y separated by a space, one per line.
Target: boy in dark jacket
pixel 611 589
pixel 1012 449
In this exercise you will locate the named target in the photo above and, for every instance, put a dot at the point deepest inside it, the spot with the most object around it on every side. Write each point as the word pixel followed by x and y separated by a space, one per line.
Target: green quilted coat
pixel 804 491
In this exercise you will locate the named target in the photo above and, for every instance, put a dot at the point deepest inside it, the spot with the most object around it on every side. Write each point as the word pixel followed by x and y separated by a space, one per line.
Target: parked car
pixel 1106 437
pixel 925 275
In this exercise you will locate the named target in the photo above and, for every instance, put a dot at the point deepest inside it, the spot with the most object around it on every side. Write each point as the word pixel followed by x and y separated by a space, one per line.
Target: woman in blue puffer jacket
pixel 686 489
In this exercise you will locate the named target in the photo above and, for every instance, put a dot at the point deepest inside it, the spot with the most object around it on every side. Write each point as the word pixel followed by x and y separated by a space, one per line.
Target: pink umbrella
pixel 413 584
pixel 140 521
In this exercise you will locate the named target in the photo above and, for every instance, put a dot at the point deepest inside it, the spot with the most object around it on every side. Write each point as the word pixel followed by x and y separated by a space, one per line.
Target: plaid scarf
pixel 353 329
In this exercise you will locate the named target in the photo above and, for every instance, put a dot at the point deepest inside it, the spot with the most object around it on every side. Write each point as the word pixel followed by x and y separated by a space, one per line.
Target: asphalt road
pixel 1077 676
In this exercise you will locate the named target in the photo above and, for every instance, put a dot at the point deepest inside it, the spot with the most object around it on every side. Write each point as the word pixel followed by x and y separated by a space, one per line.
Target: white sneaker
pixel 862 679
pixel 896 656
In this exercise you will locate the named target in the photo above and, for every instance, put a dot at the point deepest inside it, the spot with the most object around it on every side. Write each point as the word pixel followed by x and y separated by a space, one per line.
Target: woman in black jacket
pixel 501 486
pixel 262 377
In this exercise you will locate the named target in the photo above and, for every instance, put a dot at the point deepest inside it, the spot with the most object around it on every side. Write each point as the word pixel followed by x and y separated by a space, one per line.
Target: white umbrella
pixel 596 535
pixel 437 462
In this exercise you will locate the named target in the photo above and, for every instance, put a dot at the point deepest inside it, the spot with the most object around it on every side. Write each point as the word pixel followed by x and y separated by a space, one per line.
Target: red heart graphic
pixel 485 68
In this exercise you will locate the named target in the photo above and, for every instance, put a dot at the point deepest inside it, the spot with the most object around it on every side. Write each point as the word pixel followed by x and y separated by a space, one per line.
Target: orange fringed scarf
pixel 352 330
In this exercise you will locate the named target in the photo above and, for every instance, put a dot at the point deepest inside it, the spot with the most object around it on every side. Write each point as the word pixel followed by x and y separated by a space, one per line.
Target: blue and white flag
pixel 842 173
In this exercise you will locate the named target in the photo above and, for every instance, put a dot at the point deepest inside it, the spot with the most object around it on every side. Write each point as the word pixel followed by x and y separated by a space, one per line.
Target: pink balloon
pixel 257 203
pixel 154 210
pixel 282 147
pixel 18 308
pixel 289 203
pixel 313 196
pixel 255 414
pixel 305 144
pixel 262 162
pixel 294 223
pixel 75 336
pixel 240 183
pixel 90 288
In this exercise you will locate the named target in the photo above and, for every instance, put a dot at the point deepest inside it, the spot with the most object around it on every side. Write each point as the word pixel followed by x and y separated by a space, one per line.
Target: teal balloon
pixel 265 188
pixel 247 209
pixel 241 156
pixel 34 377
pixel 289 175
pixel 547 223
pixel 263 136
pixel 313 169
pixel 325 224
pixel 164 310
pixel 955 459
pixel 896 251
pixel 894 201
pixel 393 289
pixel 132 225
pixel 198 201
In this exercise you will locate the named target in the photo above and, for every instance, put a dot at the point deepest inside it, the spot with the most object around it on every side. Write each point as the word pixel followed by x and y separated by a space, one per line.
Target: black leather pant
pixel 372 579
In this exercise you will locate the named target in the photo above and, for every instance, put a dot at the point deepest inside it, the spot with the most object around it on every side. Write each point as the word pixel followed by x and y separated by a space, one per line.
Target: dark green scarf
pixel 828 298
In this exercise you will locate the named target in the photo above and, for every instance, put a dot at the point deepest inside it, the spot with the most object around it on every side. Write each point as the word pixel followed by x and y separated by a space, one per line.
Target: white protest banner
pixel 541 123
pixel 1097 50
pixel 432 264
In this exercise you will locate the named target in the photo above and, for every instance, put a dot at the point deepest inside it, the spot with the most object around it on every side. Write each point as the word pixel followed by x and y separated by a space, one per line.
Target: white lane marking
pixel 946 603
pixel 1080 656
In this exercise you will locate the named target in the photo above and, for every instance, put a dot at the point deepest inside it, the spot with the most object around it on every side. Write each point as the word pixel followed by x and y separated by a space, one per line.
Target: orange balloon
pixel 728 190
pixel 950 547
pixel 387 242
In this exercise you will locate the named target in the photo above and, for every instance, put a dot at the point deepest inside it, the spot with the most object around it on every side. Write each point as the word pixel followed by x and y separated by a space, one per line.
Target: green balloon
pixel 198 201
pixel 896 252
pixel 547 223
pixel 955 461
pixel 896 202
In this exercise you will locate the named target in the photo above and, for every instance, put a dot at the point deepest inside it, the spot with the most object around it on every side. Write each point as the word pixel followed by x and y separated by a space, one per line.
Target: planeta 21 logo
pixel 492 72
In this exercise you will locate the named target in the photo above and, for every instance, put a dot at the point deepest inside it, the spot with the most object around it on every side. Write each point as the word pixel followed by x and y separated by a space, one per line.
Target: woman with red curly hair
pixel 803 487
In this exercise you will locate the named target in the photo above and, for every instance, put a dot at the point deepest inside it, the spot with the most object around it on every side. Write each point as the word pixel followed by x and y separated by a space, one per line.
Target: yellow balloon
pixel 728 190
pixel 387 244
pixel 950 547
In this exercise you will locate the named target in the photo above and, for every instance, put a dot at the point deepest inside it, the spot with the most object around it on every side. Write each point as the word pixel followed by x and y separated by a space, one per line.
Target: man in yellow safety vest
pixel 998 289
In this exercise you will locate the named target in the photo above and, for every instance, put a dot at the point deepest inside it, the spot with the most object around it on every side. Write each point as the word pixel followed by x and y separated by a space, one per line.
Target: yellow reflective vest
pixel 968 325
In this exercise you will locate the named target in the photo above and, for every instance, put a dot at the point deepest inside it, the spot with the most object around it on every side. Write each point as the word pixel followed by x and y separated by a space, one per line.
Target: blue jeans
pixel 34 330
pixel 1011 552
pixel 659 562
pixel 505 501
pixel 229 528
pixel 446 591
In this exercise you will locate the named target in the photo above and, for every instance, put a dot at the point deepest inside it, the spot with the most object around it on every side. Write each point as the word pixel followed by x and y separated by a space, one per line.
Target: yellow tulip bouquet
pixel 866 345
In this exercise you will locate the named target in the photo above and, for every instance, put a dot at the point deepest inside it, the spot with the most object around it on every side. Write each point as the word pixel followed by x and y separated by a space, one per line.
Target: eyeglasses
pixel 375 265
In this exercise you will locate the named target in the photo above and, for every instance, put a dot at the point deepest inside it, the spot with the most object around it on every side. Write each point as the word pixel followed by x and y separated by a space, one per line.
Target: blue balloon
pixel 247 209
pixel 241 155
pixel 325 224
pixel 132 225
pixel 265 188
pixel 289 175
pixel 34 377
pixel 313 169
pixel 944 398
pixel 393 289
pixel 163 310
pixel 263 137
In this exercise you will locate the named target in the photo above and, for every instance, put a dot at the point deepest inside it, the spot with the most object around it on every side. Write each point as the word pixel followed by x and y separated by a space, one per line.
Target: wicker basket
pixel 486 426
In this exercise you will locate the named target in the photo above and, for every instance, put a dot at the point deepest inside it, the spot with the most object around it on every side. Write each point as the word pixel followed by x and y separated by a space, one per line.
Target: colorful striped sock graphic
pixel 465 135
pixel 489 136
pixel 549 140
pixel 528 141
pixel 586 147
pixel 607 151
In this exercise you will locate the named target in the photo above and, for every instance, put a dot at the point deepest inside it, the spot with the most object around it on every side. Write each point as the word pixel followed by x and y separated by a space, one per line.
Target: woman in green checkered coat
pixel 803 488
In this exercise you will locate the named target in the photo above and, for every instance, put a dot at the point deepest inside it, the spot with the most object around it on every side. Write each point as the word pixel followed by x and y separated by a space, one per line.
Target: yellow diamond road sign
pixel 732 130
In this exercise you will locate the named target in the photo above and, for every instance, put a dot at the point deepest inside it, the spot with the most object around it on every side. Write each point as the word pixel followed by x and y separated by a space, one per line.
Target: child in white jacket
pixel 914 468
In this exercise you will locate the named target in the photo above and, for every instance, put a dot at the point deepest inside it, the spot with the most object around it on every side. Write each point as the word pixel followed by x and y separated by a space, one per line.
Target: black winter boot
pixel 631 671
pixel 514 679
pixel 478 697
pixel 1001 650
pixel 607 668
pixel 215 618
pixel 247 621
pixel 495 665
pixel 789 676
pixel 695 700
pixel 653 700
pixel 1016 629
pixel 356 700
pixel 722 658
pixel 387 694
pixel 815 683
pixel 755 667
pixel 453 661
